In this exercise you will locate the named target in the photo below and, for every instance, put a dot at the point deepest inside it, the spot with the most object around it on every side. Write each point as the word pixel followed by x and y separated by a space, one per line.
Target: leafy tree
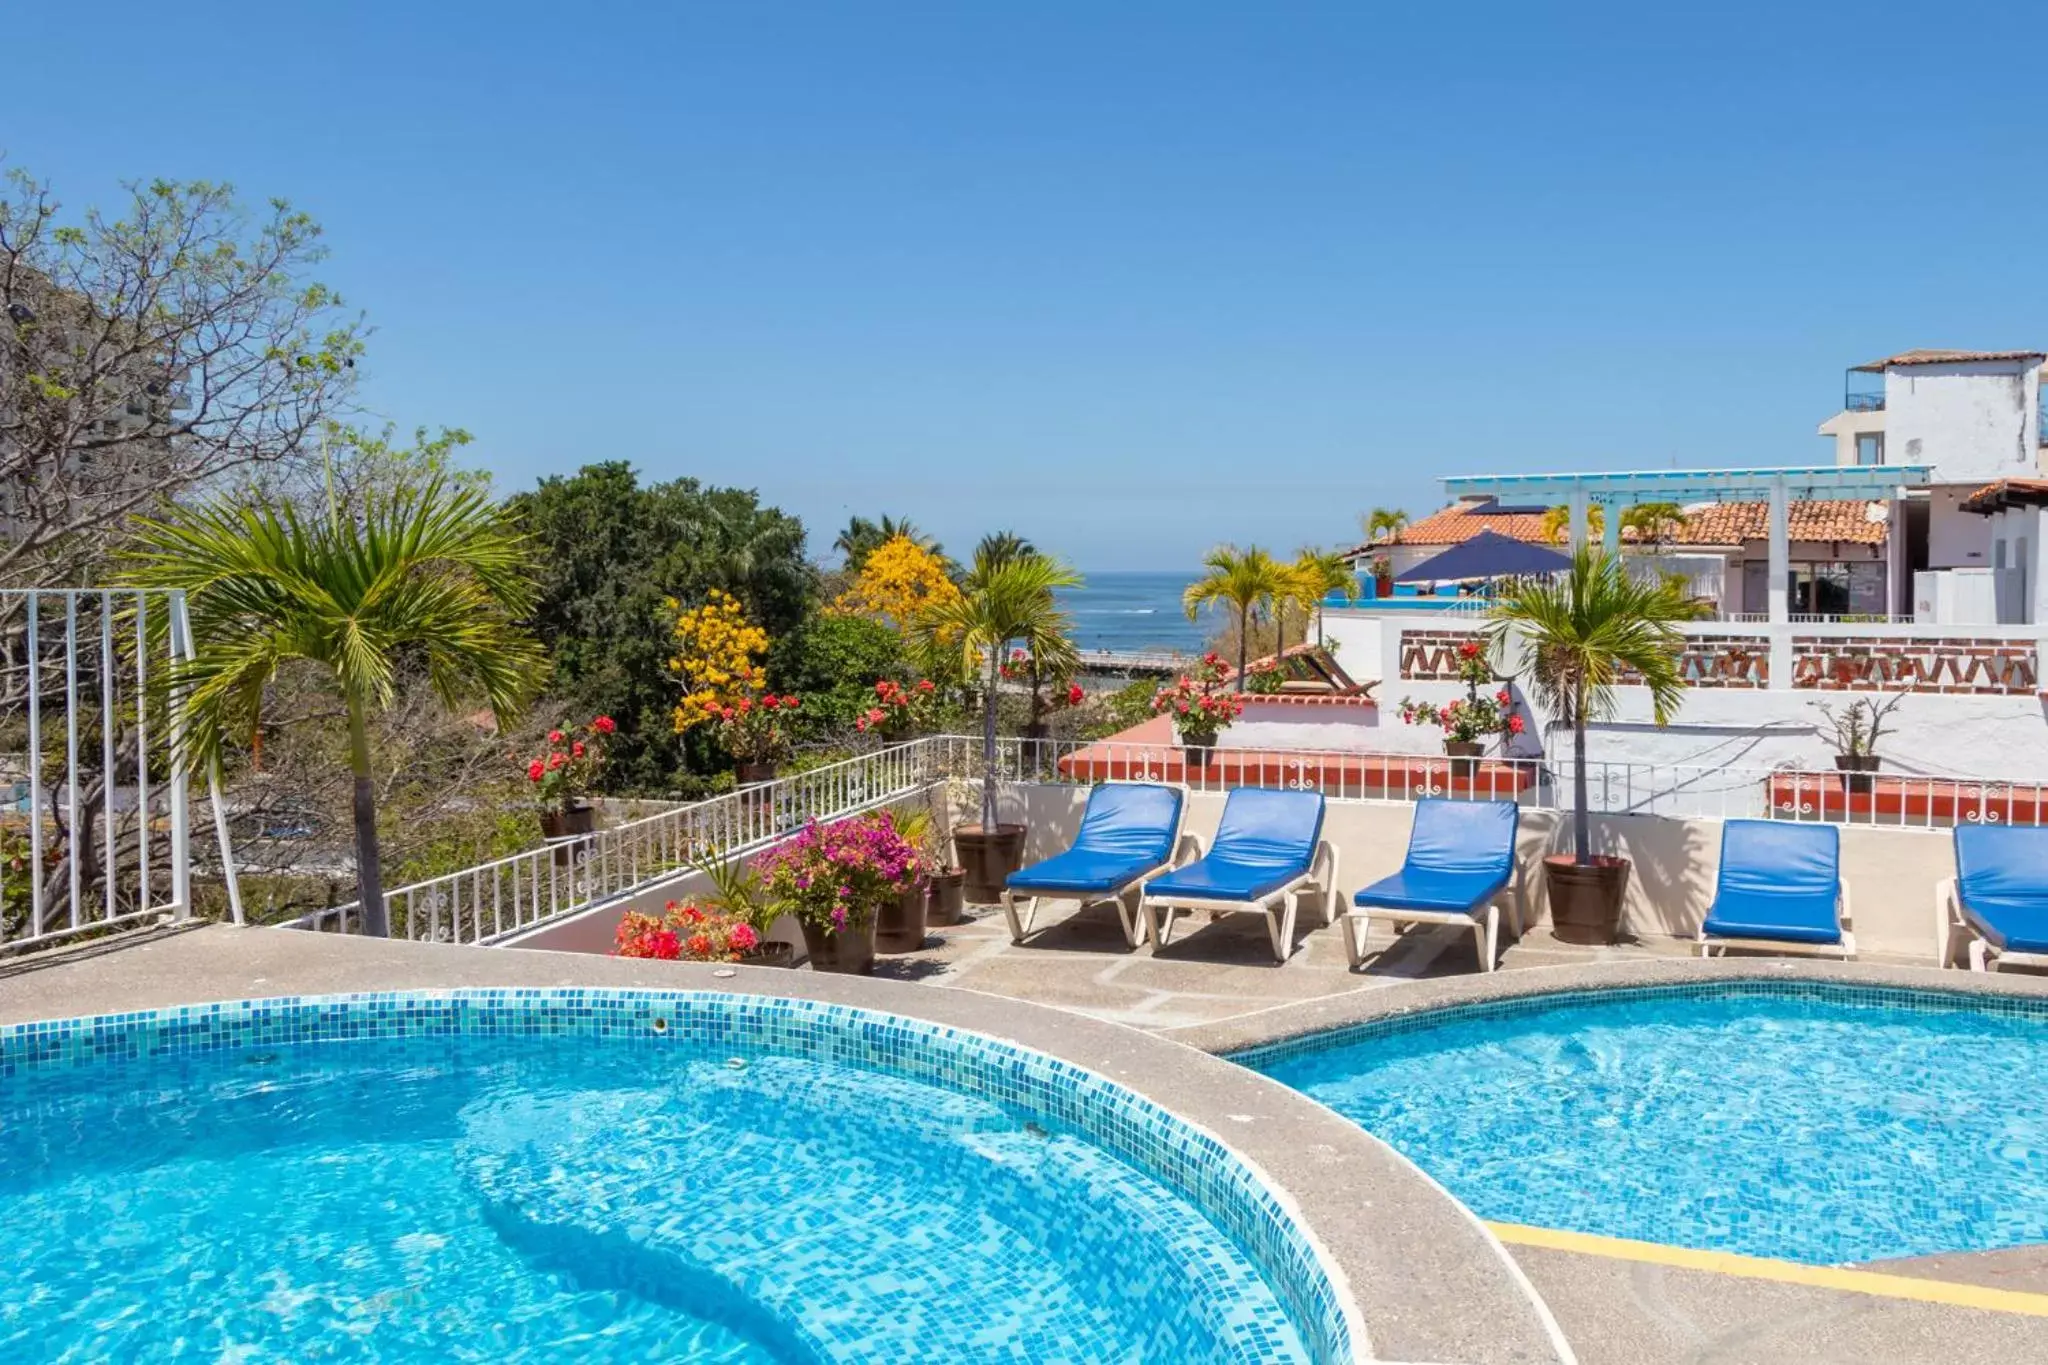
pixel 1383 521
pixel 1248 581
pixel 1575 637
pixel 431 574
pixel 1004 602
pixel 716 657
pixel 899 581
pixel 833 663
pixel 611 553
pixel 148 353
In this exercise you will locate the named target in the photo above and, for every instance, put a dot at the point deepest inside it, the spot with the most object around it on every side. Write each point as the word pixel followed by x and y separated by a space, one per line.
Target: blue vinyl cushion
pixel 1266 839
pixel 1459 854
pixel 1778 881
pixel 2002 882
pixel 1126 831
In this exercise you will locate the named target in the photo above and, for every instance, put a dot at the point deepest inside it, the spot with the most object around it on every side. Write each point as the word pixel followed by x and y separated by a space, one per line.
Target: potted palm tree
pixel 431 573
pixel 1248 581
pixel 1574 639
pixel 1003 601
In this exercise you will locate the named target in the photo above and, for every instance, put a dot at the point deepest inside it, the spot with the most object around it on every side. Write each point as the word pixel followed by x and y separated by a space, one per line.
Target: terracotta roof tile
pixel 1721 523
pixel 2007 493
pixel 1942 356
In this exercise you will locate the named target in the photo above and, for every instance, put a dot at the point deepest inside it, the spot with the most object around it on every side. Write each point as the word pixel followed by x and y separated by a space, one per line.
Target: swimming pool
pixel 1817 1123
pixel 524 1175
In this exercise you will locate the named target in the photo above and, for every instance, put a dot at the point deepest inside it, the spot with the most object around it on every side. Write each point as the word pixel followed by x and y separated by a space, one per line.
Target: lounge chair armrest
pixel 1325 859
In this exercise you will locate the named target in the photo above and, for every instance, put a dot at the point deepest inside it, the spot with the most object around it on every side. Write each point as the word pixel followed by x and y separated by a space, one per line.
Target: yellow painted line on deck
pixel 1782 1272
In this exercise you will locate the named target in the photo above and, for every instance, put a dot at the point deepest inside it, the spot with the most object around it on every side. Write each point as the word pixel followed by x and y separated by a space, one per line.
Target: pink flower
pixel 576 749
pixel 743 938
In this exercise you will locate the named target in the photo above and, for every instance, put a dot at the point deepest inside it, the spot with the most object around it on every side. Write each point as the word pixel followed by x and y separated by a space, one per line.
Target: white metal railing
pixel 495 900
pixel 94 807
pixel 1852 618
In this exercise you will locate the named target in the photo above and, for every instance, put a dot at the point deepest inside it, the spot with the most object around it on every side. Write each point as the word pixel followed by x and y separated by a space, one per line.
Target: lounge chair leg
pixel 1160 917
pixel 1280 926
pixel 1132 917
pixel 1356 930
pixel 1980 956
pixel 1020 926
pixel 1492 935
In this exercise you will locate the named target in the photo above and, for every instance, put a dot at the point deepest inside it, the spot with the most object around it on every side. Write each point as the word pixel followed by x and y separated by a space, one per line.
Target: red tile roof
pixel 2007 493
pixel 1721 523
pixel 1939 356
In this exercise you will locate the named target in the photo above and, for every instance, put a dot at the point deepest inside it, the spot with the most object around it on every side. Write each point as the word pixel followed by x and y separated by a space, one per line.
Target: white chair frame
pixel 1949 926
pixel 1128 913
pixel 1712 945
pixel 1485 926
pixel 1280 906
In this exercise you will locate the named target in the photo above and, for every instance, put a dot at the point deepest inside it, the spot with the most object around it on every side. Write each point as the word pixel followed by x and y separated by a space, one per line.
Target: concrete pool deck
pixel 1215 990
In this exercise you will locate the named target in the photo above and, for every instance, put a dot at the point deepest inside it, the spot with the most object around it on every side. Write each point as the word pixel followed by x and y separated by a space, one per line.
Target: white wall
pixel 1972 422
pixel 1956 539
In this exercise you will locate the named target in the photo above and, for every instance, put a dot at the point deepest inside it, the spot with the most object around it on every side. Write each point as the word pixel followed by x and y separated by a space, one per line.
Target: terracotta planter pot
pixel 1196 752
pixel 849 954
pixel 947 898
pixel 1858 770
pixel 989 857
pixel 899 928
pixel 561 825
pixel 1465 755
pixel 1585 902
pixel 753 774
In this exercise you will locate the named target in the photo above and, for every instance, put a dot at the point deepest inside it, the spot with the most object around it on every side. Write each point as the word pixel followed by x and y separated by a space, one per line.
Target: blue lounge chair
pixel 1461 856
pixel 1129 831
pixel 1780 886
pixel 1269 846
pixel 1999 896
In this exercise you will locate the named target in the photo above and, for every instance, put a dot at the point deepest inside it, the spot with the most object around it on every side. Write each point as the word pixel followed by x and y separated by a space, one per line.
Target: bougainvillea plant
pixel 686 933
pixel 836 877
pixel 1199 712
pixel 568 771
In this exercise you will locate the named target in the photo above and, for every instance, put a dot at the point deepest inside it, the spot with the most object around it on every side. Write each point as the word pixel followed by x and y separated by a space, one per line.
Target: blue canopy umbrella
pixel 1487 555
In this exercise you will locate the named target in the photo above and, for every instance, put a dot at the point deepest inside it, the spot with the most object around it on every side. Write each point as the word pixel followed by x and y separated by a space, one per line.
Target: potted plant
pixel 563 777
pixel 1471 721
pixel 945 881
pixel 836 879
pixel 1858 726
pixel 1049 694
pixel 1576 636
pixel 1199 712
pixel 750 730
pixel 900 924
pixel 1382 576
pixel 1004 601
pixel 688 932
pixel 899 712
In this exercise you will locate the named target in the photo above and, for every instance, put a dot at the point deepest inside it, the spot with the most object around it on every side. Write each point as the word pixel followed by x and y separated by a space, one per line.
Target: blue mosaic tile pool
pixel 1809 1122
pixel 617 1176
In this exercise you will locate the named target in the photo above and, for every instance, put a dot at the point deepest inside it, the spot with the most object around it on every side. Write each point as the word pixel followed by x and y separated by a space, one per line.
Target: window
pixel 1870 448
pixel 1819 589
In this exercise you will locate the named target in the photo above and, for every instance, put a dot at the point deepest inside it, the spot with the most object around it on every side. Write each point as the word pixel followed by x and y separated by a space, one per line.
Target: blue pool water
pixel 472 1192
pixel 1821 1125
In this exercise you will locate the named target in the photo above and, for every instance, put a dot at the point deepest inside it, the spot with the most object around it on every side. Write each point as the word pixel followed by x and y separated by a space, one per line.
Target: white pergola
pixel 1777 486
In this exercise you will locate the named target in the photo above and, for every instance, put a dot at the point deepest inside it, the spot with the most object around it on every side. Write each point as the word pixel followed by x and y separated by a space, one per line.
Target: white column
pixel 1610 527
pixel 1578 511
pixel 1778 594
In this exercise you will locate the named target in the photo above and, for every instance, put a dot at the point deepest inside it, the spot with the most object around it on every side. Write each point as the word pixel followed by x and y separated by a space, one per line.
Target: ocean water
pixel 507 1199
pixel 1134 611
pixel 1823 1126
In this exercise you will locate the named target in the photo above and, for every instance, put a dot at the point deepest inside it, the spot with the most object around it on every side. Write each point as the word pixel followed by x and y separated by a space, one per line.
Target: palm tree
pixel 1557 523
pixel 862 538
pixel 1317 574
pixel 1383 521
pixel 1249 580
pixel 1654 522
pixel 430 576
pixel 1000 546
pixel 1576 636
pixel 1004 602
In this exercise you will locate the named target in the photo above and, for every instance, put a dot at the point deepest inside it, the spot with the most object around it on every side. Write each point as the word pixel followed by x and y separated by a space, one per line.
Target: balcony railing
pixel 1863 402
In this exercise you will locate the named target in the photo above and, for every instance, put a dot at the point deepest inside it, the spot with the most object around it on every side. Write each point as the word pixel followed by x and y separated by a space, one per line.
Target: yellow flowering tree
pixel 715 652
pixel 899 581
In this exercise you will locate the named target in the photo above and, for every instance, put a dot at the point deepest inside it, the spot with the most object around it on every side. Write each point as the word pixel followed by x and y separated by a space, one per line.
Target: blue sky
pixel 1128 282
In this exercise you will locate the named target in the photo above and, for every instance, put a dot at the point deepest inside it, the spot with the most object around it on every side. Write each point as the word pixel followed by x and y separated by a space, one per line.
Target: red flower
pixel 1075 695
pixel 860 723
pixel 745 705
pixel 743 938
pixel 604 725
pixel 1504 697
pixel 789 703
pixel 770 702
pixel 699 945
pixel 1515 725
pixel 576 749
pixel 925 685
pixel 554 736
pixel 557 760
pixel 726 714
pixel 1469 650
pixel 883 688
pixel 536 770
pixel 662 944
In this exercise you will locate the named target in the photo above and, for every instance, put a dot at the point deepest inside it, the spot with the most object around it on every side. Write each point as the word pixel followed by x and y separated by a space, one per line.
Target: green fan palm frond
pixel 1004 602
pixel 431 573
pixel 1574 638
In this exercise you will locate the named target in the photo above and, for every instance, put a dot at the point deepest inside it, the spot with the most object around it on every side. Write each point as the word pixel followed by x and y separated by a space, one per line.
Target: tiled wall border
pixel 1188 1160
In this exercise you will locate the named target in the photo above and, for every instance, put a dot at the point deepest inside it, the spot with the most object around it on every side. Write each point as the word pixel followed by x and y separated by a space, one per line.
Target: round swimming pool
pixel 616 1176
pixel 1816 1123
